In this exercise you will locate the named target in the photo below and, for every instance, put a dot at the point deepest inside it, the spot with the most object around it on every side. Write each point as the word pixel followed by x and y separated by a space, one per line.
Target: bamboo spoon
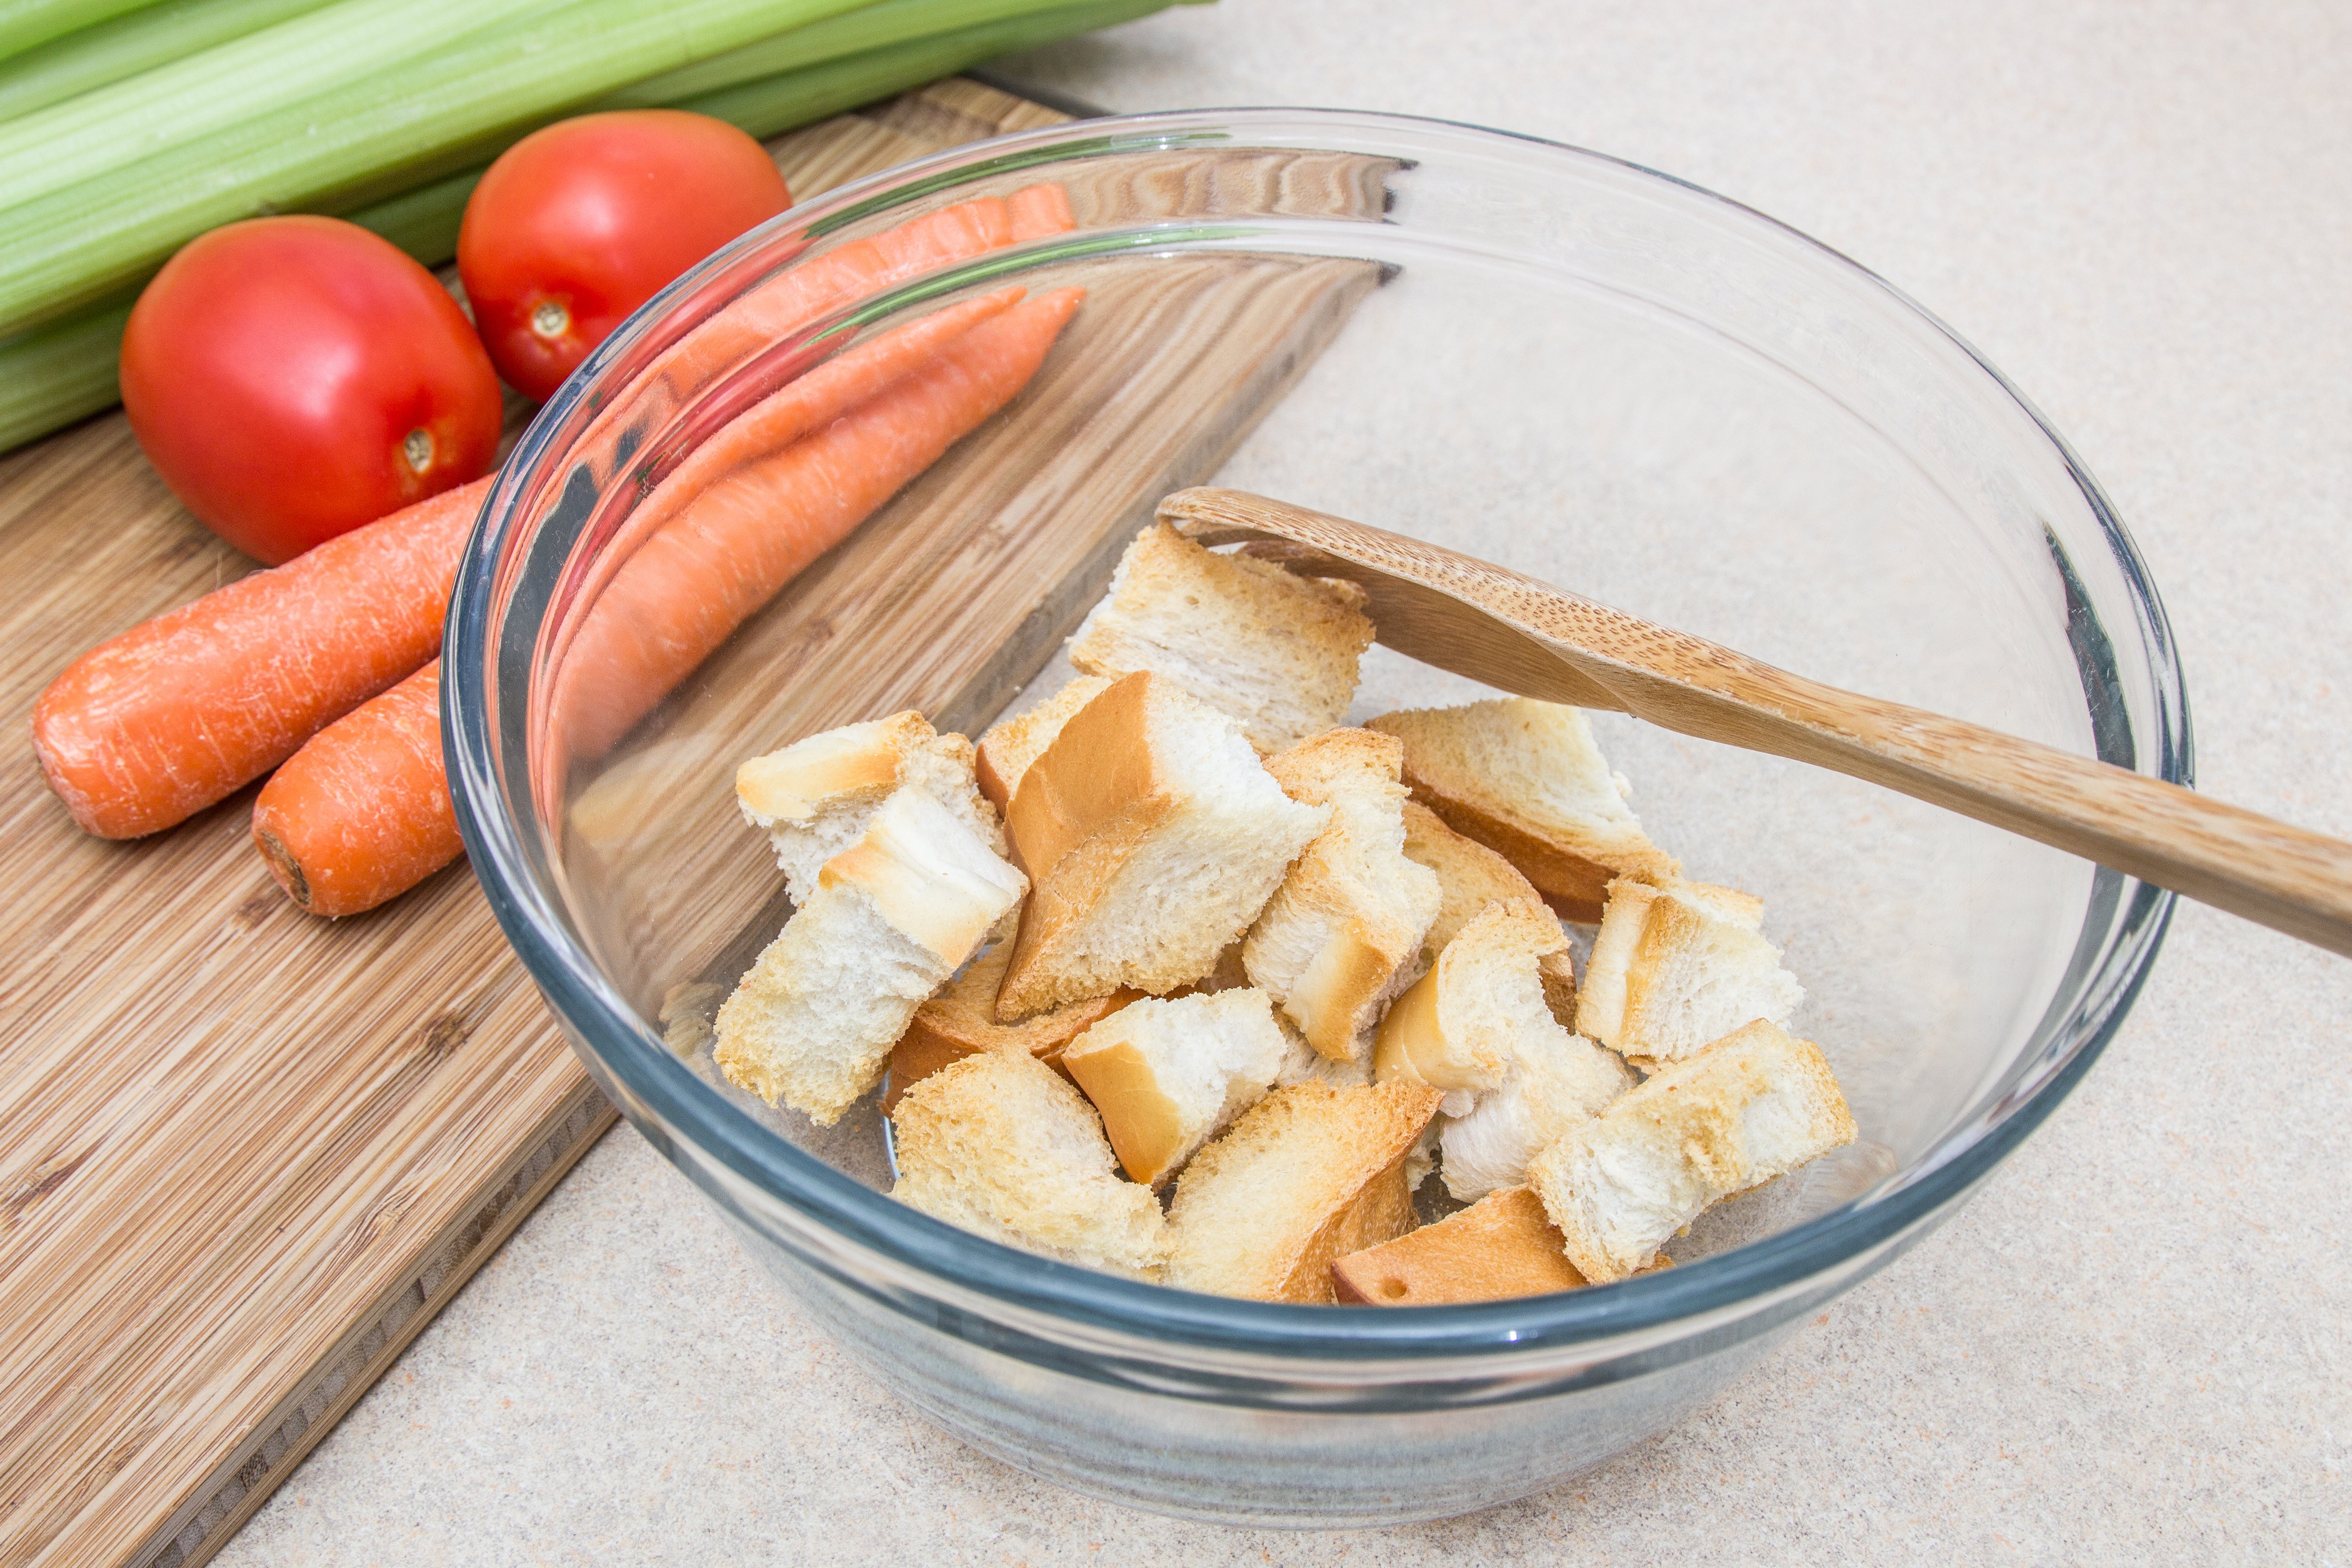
pixel 1513 632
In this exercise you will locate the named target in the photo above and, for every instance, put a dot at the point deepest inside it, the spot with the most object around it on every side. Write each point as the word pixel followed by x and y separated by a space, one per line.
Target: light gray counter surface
pixel 2131 1346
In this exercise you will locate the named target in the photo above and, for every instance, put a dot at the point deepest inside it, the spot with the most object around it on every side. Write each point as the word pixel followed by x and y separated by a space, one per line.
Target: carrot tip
pixel 283 864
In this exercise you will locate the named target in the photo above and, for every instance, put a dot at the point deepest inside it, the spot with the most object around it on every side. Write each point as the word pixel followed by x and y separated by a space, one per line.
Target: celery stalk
pixel 868 27
pixel 240 83
pixel 54 375
pixel 770 107
pixel 27 23
pixel 94 57
pixel 370 137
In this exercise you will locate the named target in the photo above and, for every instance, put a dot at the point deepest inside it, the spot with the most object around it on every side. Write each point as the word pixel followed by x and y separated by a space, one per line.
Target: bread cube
pixel 1754 1105
pixel 1342 935
pixel 1678 966
pixel 1306 1175
pixel 1168 1076
pixel 1276 652
pixel 890 920
pixel 1525 779
pixel 1002 1146
pixel 816 797
pixel 1153 836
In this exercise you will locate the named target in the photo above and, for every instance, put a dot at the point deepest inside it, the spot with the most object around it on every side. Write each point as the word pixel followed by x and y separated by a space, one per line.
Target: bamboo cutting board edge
pixel 244 1481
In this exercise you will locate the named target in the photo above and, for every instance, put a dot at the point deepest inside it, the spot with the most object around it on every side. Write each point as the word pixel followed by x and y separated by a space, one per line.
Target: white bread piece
pixel 1752 1106
pixel 1458 1027
pixel 1342 935
pixel 961 1020
pixel 1470 877
pixel 1153 836
pixel 1277 653
pixel 1477 1025
pixel 1525 779
pixel 892 917
pixel 1169 1076
pixel 1306 1175
pixel 816 797
pixel 1677 965
pixel 1001 1145
pixel 1008 746
pixel 1557 1081
pixel 1302 1063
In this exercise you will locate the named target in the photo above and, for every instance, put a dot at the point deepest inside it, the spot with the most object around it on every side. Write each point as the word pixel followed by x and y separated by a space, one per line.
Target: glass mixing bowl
pixel 1585 371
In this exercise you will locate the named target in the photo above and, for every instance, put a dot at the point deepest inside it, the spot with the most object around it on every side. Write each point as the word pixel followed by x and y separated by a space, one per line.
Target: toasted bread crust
pixel 1225 1240
pixel 1145 1131
pixel 1501 1247
pixel 1008 747
pixel 1569 843
pixel 1371 902
pixel 1100 775
pixel 960 1020
pixel 1140 761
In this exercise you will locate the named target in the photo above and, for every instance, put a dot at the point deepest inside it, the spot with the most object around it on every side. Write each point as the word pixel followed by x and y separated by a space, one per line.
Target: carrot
pixel 363 811
pixel 793 299
pixel 1039 210
pixel 151 727
pixel 730 549
pixel 816 397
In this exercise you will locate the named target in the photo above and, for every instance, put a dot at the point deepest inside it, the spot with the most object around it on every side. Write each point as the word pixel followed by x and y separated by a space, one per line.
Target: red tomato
pixel 292 378
pixel 578 225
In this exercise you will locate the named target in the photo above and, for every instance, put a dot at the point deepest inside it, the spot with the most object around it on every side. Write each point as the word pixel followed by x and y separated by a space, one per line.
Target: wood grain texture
pixel 244 1154
pixel 1523 636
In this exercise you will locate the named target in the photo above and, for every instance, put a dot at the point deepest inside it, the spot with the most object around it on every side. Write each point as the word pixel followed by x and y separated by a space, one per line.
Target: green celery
pixel 855 32
pixel 27 23
pixel 772 107
pixel 368 137
pixel 55 374
pixel 94 57
pixel 336 49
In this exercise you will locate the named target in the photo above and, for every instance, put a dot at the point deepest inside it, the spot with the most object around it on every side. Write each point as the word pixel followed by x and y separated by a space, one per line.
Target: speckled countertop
pixel 2131 1347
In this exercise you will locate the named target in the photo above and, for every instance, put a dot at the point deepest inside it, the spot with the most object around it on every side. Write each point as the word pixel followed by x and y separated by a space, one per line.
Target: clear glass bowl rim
pixel 1032 1290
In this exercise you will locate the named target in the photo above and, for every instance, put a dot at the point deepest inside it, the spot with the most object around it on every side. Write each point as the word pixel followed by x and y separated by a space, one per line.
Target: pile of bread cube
pixel 1175 977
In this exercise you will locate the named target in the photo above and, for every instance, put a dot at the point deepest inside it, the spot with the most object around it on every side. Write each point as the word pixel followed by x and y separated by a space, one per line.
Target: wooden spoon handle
pixel 1513 632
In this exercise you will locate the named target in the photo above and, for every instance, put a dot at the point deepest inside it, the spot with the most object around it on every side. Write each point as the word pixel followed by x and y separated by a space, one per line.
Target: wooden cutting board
pixel 245 1154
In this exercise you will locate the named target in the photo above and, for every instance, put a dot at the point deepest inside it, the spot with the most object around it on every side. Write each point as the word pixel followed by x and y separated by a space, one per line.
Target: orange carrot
pixel 1038 211
pixel 363 811
pixel 796 297
pixel 151 727
pixel 817 397
pixel 739 541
